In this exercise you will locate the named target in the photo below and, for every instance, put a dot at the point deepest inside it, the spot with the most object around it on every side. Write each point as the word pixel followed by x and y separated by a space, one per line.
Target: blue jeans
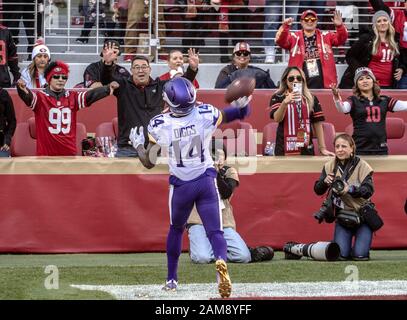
pixel 274 17
pixel 201 250
pixel 402 83
pixel 127 151
pixel 363 240
pixel 4 154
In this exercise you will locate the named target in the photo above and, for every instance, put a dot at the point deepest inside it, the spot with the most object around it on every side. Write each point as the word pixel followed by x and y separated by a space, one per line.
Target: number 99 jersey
pixel 188 139
pixel 56 122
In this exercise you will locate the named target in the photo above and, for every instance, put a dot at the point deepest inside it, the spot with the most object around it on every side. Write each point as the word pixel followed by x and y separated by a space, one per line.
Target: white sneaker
pixel 270 55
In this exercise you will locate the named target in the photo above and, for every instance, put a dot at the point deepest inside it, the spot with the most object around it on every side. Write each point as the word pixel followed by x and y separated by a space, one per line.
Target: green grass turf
pixel 23 276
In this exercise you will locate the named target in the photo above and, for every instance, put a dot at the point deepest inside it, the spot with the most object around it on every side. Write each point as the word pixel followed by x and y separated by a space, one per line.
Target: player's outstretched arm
pixel 147 157
pixel 96 94
pixel 239 109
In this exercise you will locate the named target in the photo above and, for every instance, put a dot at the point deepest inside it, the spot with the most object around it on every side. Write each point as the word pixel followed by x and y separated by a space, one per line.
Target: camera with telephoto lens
pixel 326 212
pixel 338 185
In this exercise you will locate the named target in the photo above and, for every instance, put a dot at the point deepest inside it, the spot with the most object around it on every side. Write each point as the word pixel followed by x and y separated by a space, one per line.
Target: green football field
pixel 27 276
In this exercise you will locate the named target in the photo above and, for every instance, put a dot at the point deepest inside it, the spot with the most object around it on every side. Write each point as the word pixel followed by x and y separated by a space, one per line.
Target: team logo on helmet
pixel 180 95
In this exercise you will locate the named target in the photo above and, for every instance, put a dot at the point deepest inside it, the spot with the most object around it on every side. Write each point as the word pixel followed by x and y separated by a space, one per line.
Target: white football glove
pixel 241 102
pixel 137 138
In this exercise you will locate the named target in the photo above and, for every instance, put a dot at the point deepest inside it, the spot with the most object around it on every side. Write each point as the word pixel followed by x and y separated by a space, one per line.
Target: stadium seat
pixel 24 140
pixel 23 143
pixel 239 138
pixel 329 135
pixel 269 134
pixel 108 129
pixel 396 135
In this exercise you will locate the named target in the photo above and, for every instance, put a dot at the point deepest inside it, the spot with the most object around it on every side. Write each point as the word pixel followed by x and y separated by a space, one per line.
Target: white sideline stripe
pixel 204 291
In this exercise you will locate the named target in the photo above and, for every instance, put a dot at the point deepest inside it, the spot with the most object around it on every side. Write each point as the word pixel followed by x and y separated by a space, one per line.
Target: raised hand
pixel 337 19
pixel 193 59
pixel 22 85
pixel 335 91
pixel 288 21
pixel 110 53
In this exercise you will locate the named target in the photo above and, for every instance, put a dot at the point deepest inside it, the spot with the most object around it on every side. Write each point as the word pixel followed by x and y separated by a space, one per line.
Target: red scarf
pixel 292 127
pixel 37 79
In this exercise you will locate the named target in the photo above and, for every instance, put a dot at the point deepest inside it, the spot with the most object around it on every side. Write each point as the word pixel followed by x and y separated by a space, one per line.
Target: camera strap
pixel 344 175
pixel 348 170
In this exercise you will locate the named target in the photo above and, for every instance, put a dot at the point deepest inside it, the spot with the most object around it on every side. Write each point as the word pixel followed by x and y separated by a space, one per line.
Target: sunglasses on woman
pixel 292 78
pixel 60 76
pixel 310 19
pixel 242 53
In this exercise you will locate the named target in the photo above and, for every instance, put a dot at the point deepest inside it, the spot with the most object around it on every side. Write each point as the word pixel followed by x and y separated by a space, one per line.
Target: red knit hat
pixel 56 67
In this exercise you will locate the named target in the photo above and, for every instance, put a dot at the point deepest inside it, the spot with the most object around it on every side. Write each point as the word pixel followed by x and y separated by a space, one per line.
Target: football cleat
pixel 171 285
pixel 224 283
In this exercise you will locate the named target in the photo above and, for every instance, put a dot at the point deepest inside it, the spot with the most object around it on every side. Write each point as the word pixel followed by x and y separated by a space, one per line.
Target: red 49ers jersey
pixel 56 122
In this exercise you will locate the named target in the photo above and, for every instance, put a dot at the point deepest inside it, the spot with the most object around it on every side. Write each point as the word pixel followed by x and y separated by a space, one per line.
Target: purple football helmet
pixel 180 95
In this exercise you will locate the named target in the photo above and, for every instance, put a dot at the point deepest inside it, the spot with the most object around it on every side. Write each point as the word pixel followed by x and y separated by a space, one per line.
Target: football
pixel 241 87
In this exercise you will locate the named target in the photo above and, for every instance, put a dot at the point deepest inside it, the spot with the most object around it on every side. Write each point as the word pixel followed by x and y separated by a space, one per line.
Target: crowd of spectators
pixel 311 63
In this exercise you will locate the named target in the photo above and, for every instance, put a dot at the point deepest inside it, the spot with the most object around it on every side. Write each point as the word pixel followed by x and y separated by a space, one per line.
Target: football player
pixel 187 131
pixel 55 110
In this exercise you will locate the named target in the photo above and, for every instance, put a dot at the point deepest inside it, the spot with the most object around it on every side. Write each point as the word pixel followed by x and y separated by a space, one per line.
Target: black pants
pixel 17 12
pixel 236 22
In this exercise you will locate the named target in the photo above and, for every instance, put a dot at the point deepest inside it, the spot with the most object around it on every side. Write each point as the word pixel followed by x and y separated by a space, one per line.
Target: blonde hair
pixel 31 71
pixel 390 34
pixel 305 91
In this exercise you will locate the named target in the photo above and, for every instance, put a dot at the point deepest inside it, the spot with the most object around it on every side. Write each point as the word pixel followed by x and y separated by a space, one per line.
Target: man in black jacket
pixel 139 97
pixel 8 58
pixel 7 122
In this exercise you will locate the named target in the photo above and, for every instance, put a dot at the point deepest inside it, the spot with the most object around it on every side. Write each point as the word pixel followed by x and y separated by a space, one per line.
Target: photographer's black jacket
pixel 7 118
pixel 137 105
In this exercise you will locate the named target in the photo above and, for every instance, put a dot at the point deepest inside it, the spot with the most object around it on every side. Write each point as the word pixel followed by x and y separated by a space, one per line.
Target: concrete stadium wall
pixel 81 204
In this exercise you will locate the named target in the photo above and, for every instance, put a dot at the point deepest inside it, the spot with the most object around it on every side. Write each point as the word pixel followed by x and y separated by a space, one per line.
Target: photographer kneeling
pixel 348 180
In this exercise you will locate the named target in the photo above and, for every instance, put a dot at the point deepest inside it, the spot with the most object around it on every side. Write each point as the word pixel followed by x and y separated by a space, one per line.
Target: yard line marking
pixel 204 291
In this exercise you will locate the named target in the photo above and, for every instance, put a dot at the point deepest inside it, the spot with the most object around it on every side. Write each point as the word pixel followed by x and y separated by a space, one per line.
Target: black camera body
pixel 338 185
pixel 326 212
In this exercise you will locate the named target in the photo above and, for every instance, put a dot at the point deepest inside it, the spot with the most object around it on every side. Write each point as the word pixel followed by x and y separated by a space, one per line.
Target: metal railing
pixel 154 27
